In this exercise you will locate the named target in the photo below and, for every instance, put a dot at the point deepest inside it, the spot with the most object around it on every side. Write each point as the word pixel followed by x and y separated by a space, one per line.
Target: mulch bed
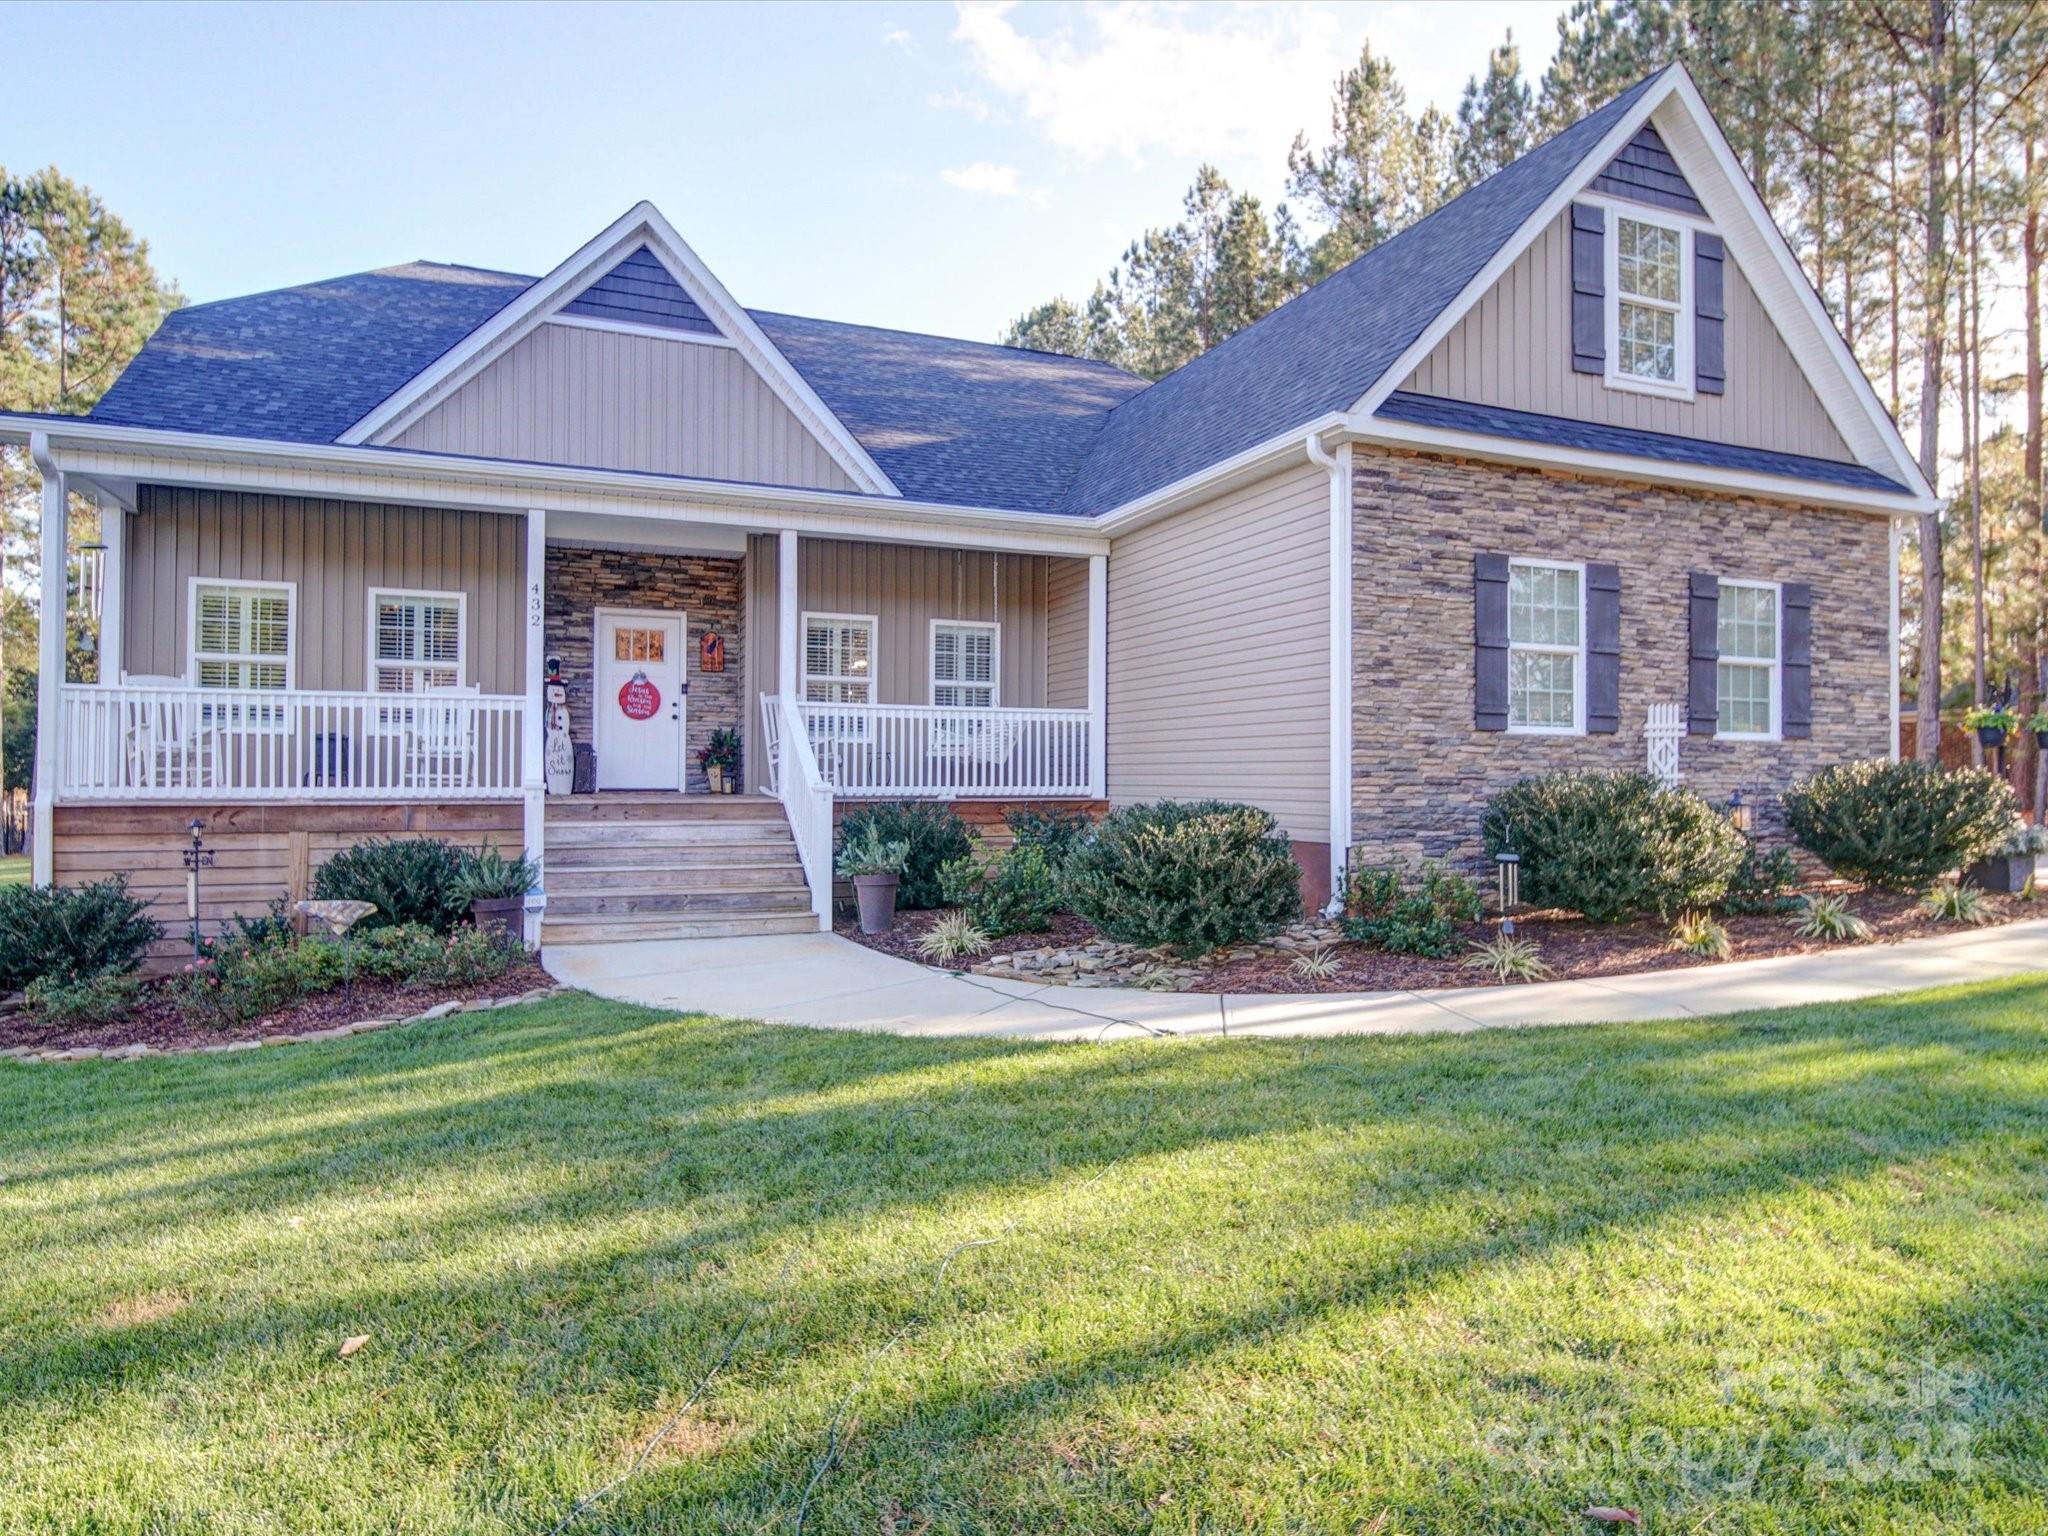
pixel 157 1022
pixel 1573 948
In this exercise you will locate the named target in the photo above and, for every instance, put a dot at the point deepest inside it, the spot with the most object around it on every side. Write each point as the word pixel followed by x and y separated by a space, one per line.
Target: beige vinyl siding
pixel 1219 654
pixel 573 395
pixel 1066 637
pixel 335 552
pixel 1514 350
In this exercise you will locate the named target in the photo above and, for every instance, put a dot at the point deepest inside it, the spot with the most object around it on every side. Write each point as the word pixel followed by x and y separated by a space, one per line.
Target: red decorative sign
pixel 638 698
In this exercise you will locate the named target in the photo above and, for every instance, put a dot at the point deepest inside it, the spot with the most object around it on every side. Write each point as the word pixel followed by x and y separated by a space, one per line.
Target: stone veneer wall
pixel 1422 773
pixel 706 588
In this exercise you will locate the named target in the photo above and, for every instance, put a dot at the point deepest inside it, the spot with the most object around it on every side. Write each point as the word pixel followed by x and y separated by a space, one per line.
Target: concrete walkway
pixel 830 983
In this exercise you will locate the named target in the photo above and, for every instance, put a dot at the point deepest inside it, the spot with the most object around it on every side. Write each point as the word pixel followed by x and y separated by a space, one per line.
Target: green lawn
pixel 14 869
pixel 1782 1273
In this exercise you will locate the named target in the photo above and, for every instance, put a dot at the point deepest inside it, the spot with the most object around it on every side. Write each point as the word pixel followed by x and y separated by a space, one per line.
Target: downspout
pixel 50 627
pixel 1338 467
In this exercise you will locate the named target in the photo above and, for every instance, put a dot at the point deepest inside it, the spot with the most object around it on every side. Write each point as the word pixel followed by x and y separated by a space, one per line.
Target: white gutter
pixel 1338 467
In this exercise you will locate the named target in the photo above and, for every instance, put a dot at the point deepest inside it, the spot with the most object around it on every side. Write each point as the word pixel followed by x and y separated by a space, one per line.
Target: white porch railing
pixel 887 751
pixel 153 743
pixel 794 779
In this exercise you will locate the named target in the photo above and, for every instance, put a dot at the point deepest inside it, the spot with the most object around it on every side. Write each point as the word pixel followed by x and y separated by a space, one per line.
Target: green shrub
pixel 1384 908
pixel 1614 846
pixel 1057 831
pixel 1899 825
pixel 1014 892
pixel 239 979
pixel 70 933
pixel 490 876
pixel 1762 883
pixel 417 957
pixel 275 923
pixel 1191 876
pixel 410 880
pixel 933 833
pixel 81 1004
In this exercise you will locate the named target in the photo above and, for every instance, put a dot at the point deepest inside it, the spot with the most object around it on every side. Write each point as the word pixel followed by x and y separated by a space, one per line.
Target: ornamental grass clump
pixel 1899 825
pixel 1508 958
pixel 1698 933
pixel 1963 904
pixel 953 937
pixel 1614 846
pixel 1829 918
pixel 1190 876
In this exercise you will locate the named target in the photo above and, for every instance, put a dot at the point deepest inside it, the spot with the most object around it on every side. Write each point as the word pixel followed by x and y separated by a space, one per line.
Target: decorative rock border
pixel 140 1048
pixel 1106 963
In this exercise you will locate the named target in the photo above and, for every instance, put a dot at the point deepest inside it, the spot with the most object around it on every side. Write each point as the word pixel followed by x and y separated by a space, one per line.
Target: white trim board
pixel 642 224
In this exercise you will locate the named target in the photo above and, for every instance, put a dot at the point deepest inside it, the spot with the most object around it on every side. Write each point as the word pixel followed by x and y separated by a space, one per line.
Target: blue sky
pixel 923 166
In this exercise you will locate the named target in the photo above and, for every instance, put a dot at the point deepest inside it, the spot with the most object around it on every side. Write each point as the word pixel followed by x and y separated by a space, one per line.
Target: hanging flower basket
pixel 1991 725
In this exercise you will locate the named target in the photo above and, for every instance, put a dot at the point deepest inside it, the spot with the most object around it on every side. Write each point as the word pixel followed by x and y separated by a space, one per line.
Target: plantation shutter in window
pixel 1795 610
pixel 1603 649
pixel 1703 674
pixel 963 666
pixel 241 637
pixel 419 642
pixel 1589 289
pixel 1490 642
pixel 1710 365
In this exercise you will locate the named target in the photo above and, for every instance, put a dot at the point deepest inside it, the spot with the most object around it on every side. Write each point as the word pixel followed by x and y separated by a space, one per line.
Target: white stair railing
pixel 794 779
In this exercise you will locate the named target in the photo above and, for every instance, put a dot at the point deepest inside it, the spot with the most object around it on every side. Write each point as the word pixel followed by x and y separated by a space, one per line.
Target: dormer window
pixel 1649 308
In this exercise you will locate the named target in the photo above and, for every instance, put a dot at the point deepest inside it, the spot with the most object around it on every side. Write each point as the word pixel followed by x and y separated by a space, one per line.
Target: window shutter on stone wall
pixel 1589 288
pixel 1710 314
pixel 1490 642
pixel 1603 649
pixel 1703 675
pixel 1795 618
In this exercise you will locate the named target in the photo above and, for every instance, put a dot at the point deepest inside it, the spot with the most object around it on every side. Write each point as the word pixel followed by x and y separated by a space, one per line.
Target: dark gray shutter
pixel 1490 642
pixel 1795 623
pixel 1589 288
pixel 1709 347
pixel 1603 649
pixel 1703 671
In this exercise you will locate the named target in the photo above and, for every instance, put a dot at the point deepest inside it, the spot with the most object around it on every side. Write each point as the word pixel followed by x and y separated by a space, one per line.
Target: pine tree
pixel 1496 117
pixel 1363 186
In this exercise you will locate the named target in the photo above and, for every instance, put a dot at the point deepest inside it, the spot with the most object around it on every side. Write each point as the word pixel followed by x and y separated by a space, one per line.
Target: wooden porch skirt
pixel 261 851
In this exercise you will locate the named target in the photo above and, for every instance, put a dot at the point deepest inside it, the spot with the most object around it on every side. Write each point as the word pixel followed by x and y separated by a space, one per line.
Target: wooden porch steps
pixel 665 866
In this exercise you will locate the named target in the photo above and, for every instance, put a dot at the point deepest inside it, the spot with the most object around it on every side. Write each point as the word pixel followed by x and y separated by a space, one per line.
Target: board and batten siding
pixel 906 587
pixel 573 395
pixel 334 552
pixel 1219 654
pixel 1066 633
pixel 1514 349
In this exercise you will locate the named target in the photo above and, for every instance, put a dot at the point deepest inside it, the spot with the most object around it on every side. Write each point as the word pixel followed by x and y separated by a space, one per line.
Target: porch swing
pixel 963 738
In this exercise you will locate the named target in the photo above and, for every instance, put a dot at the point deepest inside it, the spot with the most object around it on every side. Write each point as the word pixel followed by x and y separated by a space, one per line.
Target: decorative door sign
pixel 639 698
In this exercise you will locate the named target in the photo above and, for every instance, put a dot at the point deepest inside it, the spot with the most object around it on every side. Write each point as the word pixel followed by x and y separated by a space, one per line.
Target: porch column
pixel 1098 677
pixel 50 659
pixel 113 592
pixel 533 749
pixel 787 639
pixel 1892 630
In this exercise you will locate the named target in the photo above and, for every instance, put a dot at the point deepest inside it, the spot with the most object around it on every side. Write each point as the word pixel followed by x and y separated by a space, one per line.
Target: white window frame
pixel 845 729
pixel 1776 663
pixel 373 662
pixel 1578 725
pixel 265 718
pixel 1683 387
pixel 995 663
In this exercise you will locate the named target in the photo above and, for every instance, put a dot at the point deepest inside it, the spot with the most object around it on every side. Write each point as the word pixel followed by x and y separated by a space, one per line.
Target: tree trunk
pixel 2030 288
pixel 1935 323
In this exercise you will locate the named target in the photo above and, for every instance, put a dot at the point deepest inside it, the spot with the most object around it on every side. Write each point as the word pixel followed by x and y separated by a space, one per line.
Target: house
pixel 1574 471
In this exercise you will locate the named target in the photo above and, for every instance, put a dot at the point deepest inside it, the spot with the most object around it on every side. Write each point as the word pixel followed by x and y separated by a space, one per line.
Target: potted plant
pixel 495 888
pixel 720 759
pixel 2007 868
pixel 874 867
pixel 1991 725
pixel 2037 722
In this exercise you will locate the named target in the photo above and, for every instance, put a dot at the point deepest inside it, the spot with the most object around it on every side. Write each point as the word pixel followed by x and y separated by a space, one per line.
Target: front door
pixel 639 704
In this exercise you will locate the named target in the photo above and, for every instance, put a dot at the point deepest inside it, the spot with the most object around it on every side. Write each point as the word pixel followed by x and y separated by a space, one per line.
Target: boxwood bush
pixel 66 934
pixel 1190 876
pixel 1899 825
pixel 1014 892
pixel 411 880
pixel 936 837
pixel 1614 846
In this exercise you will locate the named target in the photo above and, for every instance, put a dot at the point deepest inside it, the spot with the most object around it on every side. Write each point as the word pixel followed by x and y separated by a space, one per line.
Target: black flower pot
pixel 1991 735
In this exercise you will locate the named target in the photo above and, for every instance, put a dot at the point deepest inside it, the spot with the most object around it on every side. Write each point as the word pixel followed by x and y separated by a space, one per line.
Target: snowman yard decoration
pixel 561 755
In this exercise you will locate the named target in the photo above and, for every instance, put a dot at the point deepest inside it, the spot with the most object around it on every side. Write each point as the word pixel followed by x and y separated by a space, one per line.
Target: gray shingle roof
pixel 1597 437
pixel 957 422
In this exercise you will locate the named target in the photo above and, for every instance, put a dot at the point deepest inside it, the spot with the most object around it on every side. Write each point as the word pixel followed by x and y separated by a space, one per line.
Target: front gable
pixel 629 355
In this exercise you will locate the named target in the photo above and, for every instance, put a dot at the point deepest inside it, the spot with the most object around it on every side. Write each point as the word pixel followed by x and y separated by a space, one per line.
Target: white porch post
pixel 1098 677
pixel 532 754
pixel 1892 624
pixel 50 662
pixel 113 592
pixel 786 637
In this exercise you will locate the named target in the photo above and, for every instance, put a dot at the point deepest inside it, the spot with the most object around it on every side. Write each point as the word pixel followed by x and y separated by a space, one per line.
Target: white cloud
pixel 985 178
pixel 957 100
pixel 898 37
pixel 1143 79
